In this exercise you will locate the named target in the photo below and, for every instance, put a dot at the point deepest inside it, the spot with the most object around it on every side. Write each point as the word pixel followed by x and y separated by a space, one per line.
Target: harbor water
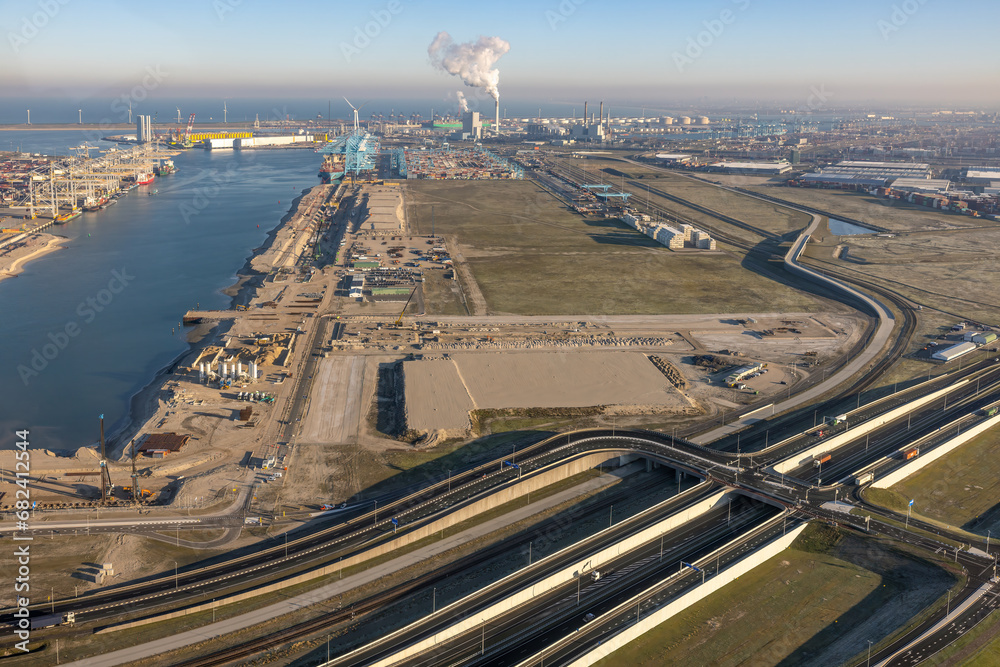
pixel 87 326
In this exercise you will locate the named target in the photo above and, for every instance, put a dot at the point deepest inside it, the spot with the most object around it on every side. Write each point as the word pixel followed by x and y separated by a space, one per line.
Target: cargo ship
pixel 63 218
pixel 332 168
pixel 166 168
pixel 94 203
pixel 144 178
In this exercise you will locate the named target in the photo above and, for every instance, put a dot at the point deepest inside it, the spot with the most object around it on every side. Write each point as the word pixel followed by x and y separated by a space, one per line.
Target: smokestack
pixel 602 113
pixel 585 113
pixel 496 128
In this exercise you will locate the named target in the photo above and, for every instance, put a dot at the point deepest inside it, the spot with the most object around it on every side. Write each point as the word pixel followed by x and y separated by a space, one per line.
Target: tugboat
pixel 166 168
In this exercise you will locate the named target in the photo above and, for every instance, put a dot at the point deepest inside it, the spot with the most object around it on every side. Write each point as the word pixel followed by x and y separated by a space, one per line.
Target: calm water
pixel 841 228
pixel 122 321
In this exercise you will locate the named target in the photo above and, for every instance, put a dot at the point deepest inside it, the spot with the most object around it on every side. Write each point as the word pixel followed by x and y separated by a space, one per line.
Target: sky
pixel 802 55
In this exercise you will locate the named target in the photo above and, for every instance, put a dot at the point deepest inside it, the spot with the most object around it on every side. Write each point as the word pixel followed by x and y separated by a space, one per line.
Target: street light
pixel 869 653
pixel 175 575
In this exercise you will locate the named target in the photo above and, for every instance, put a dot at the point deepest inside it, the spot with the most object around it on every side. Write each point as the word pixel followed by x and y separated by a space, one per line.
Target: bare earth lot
pixel 337 399
pixel 440 392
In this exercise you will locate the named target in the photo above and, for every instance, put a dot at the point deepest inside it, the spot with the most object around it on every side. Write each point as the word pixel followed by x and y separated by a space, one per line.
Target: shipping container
pixel 911 453
pixel 864 478
pixel 820 460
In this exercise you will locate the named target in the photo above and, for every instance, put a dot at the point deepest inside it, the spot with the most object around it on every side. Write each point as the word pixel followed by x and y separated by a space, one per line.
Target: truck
pixel 911 453
pixel 820 460
pixel 864 477
pixel 51 620
pixel 989 412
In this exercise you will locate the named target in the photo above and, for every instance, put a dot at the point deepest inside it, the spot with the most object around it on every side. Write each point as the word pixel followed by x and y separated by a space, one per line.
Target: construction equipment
pixel 106 485
pixel 135 477
pixel 399 320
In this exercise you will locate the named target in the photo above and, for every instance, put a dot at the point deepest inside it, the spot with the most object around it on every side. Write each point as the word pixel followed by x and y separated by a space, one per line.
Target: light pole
pixel 175 575
pixel 376 511
pixel 869 653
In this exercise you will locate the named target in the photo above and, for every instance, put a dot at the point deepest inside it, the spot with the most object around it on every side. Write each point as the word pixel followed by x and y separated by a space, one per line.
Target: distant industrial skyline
pixel 907 52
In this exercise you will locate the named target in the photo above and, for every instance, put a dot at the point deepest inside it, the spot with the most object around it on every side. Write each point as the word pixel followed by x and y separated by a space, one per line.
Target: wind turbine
pixel 357 127
pixel 225 112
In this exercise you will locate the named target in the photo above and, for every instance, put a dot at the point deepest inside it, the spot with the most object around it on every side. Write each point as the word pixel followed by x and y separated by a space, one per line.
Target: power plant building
pixel 472 126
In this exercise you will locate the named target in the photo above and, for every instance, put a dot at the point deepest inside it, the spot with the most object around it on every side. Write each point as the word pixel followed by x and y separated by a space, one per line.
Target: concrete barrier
pixel 666 612
pixel 566 575
pixel 901 473
pixel 804 457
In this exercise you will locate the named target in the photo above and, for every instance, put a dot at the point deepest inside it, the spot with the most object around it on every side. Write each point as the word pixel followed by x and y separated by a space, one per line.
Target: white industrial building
pixel 932 185
pixel 674 158
pixel 143 129
pixel 954 351
pixel 781 167
pixel 260 142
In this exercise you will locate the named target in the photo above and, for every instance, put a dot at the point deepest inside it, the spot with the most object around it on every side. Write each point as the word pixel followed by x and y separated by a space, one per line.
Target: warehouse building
pixel 954 351
pixel 751 168
pixel 922 185
pixel 742 372
pixel 851 174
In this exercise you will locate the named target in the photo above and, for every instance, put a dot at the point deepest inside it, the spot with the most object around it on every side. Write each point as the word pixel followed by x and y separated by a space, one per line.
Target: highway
pixel 561 609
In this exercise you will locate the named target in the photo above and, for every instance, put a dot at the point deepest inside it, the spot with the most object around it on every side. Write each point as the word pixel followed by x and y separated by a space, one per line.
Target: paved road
pixel 865 359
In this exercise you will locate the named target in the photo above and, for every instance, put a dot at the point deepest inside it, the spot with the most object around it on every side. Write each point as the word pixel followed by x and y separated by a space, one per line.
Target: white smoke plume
pixel 462 104
pixel 473 62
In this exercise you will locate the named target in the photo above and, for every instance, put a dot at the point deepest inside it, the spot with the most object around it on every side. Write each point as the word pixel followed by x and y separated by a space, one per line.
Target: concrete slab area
pixel 334 413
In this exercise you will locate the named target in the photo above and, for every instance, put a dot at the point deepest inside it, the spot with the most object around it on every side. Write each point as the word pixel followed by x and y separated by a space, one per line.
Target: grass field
pixel 799 608
pixel 530 255
pixel 895 216
pixel 952 271
pixel 961 488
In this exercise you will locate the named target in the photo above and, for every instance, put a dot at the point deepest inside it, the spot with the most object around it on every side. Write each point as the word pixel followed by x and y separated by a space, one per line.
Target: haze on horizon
pixel 739 52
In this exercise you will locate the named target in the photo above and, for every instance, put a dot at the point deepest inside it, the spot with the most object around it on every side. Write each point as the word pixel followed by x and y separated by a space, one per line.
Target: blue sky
pixel 628 53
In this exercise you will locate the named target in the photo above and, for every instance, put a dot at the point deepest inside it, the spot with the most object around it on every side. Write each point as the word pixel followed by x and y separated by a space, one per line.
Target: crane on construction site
pixel 399 320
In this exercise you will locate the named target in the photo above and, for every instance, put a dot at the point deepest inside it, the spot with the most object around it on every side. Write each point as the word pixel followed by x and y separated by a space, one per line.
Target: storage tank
pixel 685 120
pixel 668 120
pixel 703 120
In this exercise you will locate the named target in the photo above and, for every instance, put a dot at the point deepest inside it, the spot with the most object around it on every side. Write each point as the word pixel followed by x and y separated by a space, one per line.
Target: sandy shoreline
pixel 16 267
pixel 144 403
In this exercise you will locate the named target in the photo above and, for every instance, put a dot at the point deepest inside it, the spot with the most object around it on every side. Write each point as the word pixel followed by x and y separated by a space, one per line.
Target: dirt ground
pixel 440 392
